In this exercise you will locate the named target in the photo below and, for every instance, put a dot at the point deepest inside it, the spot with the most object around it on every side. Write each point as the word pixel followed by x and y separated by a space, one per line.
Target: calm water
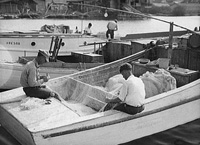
pixel 187 134
pixel 125 27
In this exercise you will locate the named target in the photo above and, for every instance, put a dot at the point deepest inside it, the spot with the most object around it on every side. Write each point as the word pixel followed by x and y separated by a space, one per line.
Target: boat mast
pixel 170 40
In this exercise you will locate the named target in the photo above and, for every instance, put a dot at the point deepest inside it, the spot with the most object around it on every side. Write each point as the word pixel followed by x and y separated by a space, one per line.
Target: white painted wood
pixel 131 129
pixel 20 44
pixel 11 71
pixel 77 121
pixel 162 112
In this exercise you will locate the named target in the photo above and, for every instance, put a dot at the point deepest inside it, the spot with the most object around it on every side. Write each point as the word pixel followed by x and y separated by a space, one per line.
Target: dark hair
pixel 125 66
pixel 90 24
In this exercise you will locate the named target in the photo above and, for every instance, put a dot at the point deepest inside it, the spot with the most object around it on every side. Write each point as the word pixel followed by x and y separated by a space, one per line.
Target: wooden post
pixel 170 41
pixel 94 47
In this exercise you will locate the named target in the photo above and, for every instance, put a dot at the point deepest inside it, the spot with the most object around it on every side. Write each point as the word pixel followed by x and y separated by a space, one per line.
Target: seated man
pixel 31 80
pixel 132 100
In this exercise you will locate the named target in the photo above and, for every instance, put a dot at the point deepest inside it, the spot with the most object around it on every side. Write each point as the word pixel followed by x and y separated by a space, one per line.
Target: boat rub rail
pixel 129 117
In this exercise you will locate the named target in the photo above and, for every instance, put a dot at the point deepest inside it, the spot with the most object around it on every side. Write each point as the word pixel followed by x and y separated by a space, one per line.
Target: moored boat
pixel 79 119
pixel 17 43
pixel 77 60
pixel 58 65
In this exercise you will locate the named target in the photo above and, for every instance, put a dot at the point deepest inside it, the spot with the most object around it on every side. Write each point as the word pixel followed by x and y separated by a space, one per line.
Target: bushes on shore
pixel 178 11
pixel 160 10
pixel 165 10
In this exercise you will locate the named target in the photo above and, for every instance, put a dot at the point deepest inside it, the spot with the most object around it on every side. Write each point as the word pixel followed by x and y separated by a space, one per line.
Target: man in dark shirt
pixel 32 82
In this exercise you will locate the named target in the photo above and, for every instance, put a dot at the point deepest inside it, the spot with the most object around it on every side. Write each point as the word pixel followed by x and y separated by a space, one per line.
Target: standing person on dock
pixel 132 100
pixel 111 26
pixel 87 30
pixel 31 80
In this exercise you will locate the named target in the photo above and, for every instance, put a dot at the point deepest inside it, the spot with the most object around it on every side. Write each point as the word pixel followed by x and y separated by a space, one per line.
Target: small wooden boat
pixel 80 119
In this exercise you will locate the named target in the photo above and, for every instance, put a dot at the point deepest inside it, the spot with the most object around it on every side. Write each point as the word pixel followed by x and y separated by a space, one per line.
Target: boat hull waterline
pixel 13 46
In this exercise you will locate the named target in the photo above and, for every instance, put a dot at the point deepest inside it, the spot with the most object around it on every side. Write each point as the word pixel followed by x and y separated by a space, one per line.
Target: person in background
pixel 87 30
pixel 76 31
pixel 132 101
pixel 32 82
pixel 111 26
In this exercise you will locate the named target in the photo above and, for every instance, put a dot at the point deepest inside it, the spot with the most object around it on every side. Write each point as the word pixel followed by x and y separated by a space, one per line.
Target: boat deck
pixel 47 116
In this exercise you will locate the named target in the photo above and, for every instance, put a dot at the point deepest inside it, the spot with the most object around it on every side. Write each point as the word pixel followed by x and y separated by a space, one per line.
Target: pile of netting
pixel 155 83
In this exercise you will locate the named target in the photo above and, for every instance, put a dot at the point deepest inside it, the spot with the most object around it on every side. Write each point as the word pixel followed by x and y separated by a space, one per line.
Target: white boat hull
pixel 128 130
pixel 11 72
pixel 73 122
pixel 162 112
pixel 14 45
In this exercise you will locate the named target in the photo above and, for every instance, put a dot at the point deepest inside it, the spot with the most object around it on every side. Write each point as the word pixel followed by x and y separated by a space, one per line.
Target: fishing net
pixel 155 83
pixel 31 103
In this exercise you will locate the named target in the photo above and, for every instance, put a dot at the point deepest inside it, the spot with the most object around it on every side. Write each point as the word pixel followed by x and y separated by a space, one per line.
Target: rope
pixel 140 14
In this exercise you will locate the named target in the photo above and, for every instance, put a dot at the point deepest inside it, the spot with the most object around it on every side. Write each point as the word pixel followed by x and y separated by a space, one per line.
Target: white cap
pixel 45 54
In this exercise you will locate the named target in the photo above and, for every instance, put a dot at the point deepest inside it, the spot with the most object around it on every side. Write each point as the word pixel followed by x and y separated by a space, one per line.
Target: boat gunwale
pixel 107 65
pixel 130 117
pixel 174 91
pixel 24 34
pixel 18 121
pixel 18 67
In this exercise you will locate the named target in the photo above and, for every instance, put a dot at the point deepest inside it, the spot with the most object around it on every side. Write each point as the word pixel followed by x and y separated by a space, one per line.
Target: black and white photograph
pixel 99 72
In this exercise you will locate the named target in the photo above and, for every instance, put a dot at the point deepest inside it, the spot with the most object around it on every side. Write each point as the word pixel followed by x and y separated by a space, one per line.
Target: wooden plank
pixel 152 35
pixel 15 128
pixel 194 59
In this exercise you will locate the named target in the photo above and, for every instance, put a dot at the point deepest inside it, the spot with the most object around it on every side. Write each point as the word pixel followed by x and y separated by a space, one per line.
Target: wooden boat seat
pixel 79 108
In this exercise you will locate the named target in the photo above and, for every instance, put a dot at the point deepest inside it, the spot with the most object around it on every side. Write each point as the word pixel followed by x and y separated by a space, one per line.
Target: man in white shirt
pixel 111 26
pixel 87 30
pixel 132 101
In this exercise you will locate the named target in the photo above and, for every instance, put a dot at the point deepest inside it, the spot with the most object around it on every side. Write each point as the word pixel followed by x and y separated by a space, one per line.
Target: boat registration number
pixel 13 43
